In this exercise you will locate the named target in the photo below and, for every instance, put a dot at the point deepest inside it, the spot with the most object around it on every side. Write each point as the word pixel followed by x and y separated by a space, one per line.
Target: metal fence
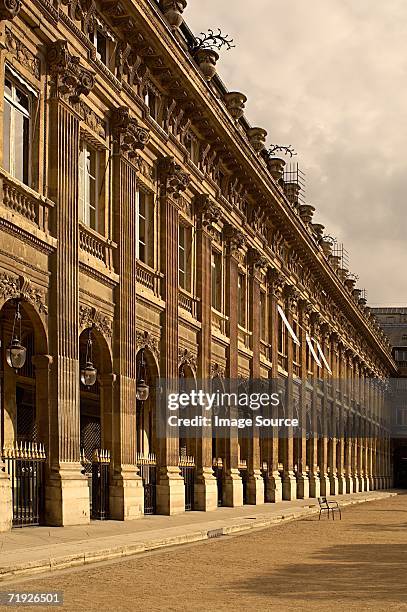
pixel 244 476
pixel 187 467
pixel 25 463
pixel 147 465
pixel 218 473
pixel 97 472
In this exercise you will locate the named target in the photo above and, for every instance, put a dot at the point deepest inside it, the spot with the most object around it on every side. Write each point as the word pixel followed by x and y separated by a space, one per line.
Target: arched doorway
pixel 187 442
pixel 96 418
pixel 146 428
pixel 24 437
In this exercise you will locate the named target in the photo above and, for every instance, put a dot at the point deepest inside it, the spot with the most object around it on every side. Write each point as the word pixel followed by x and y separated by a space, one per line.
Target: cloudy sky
pixel 330 78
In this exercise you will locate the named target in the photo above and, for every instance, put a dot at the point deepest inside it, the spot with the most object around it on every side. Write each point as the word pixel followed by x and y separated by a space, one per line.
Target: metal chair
pixel 328 505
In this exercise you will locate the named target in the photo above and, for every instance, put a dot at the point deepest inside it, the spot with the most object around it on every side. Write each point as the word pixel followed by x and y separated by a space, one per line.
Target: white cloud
pixel 329 77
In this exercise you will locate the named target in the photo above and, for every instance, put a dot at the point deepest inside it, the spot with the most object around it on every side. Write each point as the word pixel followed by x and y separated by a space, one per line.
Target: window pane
pixel 101 47
pixel 7 87
pixel 18 144
pixel 22 99
pixel 241 288
pixel 217 281
pixel 6 136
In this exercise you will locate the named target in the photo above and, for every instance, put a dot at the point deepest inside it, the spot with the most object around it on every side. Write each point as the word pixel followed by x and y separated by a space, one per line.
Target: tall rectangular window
pixel 282 337
pixel 16 130
pixel 184 257
pixel 145 241
pixel 217 281
pixel 89 186
pixel 296 347
pixel 241 299
pixel 263 316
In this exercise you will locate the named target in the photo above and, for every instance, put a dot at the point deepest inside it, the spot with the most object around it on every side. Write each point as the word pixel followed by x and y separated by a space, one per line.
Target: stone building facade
pixel 393 321
pixel 144 228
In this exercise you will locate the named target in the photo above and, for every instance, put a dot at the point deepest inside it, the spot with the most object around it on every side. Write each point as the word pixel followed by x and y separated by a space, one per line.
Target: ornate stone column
pixel 6 499
pixel 173 181
pixel 67 492
pixel 126 490
pixel 350 433
pixel 233 486
pixel 274 483
pixel 324 482
pixel 333 423
pixel 289 478
pixel 207 213
pixel 310 322
pixel 302 476
pixel 255 484
pixel 338 408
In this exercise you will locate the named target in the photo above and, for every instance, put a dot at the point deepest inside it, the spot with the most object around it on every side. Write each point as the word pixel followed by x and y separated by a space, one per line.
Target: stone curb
pixel 31 568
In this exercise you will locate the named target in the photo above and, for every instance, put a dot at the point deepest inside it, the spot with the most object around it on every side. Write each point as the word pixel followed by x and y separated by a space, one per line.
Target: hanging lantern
pixel 89 372
pixel 16 353
pixel 142 388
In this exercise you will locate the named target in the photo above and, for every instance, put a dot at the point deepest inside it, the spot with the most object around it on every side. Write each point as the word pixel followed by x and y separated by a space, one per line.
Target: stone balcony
pixel 25 207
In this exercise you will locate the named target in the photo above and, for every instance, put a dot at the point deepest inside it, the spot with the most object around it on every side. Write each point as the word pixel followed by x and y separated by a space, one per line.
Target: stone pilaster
pixel 126 490
pixel 289 478
pixel 302 474
pixel 67 494
pixel 173 181
pixel 255 484
pixel 232 487
pixel 274 482
pixel 207 213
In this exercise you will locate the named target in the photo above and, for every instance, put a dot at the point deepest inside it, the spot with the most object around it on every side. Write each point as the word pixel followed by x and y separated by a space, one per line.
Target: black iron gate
pixel 97 472
pixel 265 474
pixel 187 467
pixel 147 465
pixel 244 476
pixel 218 473
pixel 25 465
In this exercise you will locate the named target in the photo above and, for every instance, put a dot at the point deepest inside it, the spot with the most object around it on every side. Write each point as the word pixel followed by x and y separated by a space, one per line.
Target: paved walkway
pixel 43 549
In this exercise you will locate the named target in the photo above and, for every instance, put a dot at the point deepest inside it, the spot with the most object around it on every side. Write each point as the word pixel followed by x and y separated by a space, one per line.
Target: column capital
pixel 257 261
pixel 42 362
pixel 69 78
pixel 207 211
pixel 9 9
pixel 128 136
pixel 172 178
pixel 235 239
pixel 276 282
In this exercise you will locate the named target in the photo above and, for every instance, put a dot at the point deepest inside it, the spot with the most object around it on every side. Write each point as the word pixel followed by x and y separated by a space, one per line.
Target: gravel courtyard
pixel 358 564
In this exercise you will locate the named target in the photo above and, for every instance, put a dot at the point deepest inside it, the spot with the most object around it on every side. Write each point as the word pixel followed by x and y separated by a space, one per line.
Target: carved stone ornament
pixel 83 11
pixel 235 103
pixel 21 287
pixel 69 78
pixel 186 357
pixel 207 211
pixel 91 317
pixel 9 9
pixel 22 54
pixel 277 282
pixel 257 260
pixel 234 238
pixel 173 10
pixel 173 179
pixel 128 136
pixel 293 297
pixel 217 371
pixel 147 341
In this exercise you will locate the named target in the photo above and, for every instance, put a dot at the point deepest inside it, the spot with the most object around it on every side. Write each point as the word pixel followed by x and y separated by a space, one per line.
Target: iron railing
pixel 218 473
pixel 187 467
pixel 24 463
pixel 147 465
pixel 244 476
pixel 97 472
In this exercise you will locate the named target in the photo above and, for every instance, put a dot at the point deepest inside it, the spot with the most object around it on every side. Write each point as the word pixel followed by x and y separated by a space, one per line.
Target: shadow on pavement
pixel 365 572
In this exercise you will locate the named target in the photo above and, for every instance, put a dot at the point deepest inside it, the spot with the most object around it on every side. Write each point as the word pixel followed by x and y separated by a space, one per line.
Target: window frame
pixel 84 189
pixel 15 107
pixel 149 220
pixel 219 276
